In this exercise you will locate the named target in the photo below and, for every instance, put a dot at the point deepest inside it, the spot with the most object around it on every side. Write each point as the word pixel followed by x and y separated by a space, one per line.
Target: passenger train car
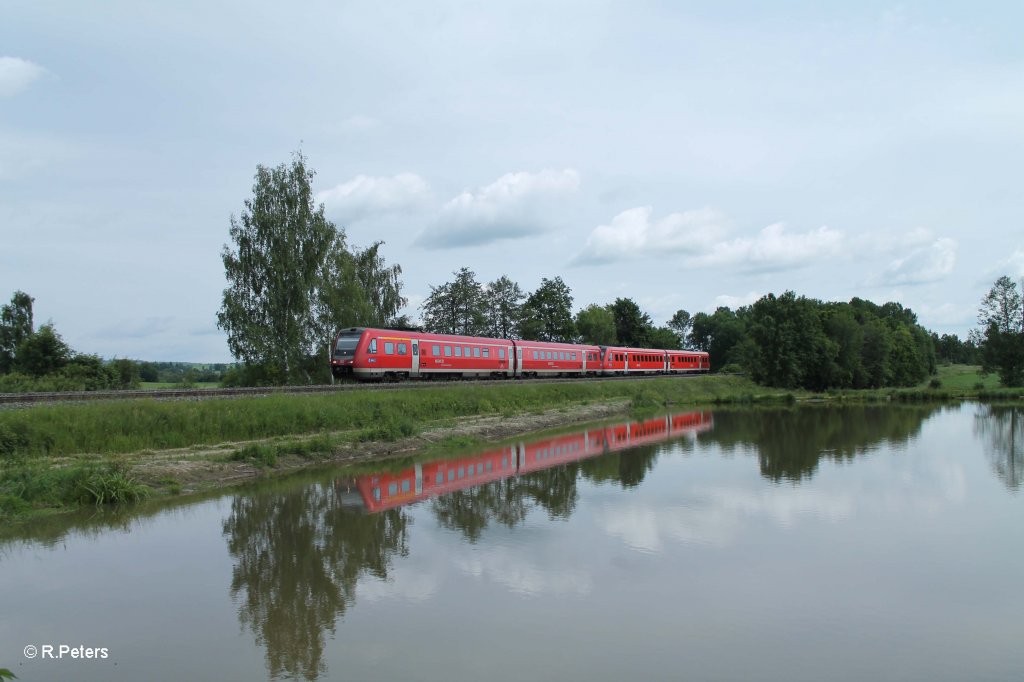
pixel 376 354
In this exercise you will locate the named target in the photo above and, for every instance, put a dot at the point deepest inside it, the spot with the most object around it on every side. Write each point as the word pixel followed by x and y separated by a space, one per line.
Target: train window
pixel 447 351
pixel 466 350
pixel 458 351
pixel 439 478
pixel 487 352
pixel 405 486
pixel 462 472
pixel 402 349
pixel 373 346
pixel 392 489
pixel 501 353
pixel 534 355
pixel 490 466
pixel 436 350
pixel 376 494
pixel 476 351
pixel 451 475
pixel 389 348
pixel 572 356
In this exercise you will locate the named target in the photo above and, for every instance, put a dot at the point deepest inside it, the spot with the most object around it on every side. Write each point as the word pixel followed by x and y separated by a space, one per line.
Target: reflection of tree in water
pixel 627 468
pixel 554 490
pixel 791 442
pixel 298 555
pixel 1002 428
pixel 508 501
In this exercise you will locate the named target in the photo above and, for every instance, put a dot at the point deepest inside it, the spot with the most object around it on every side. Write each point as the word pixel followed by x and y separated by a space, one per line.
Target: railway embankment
pixel 65 456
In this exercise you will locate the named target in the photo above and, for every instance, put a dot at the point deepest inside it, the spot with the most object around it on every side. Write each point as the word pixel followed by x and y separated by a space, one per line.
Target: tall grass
pixel 130 426
pixel 36 485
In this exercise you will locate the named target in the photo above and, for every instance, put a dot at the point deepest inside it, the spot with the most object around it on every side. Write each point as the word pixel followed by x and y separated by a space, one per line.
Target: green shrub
pixel 112 484
pixel 260 454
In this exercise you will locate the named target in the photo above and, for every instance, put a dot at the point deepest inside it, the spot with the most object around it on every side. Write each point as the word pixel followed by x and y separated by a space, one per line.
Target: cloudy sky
pixel 687 155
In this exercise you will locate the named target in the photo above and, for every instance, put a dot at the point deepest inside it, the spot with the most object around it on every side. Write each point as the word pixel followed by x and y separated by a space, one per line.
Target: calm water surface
pixel 881 543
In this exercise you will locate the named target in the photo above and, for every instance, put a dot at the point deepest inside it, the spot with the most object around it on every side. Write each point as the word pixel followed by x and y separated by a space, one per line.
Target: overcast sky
pixel 686 155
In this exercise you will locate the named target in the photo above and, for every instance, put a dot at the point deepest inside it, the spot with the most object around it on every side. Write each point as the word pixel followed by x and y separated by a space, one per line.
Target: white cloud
pixel 17 74
pixel 773 249
pixel 1013 265
pixel 735 302
pixel 923 264
pixel 511 207
pixel 632 234
pixel 364 196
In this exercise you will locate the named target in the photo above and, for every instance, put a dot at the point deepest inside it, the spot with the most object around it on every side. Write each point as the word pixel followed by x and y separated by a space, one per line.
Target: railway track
pixel 15 399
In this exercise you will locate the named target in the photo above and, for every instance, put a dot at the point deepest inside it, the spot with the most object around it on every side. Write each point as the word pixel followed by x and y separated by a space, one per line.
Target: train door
pixel 519 362
pixel 415 372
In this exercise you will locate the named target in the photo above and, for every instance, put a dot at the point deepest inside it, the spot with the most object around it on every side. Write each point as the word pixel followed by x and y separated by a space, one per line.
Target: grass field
pixel 963 378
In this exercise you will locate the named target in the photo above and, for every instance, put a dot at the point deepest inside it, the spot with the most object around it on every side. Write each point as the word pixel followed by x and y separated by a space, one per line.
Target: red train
pixel 373 354
pixel 377 492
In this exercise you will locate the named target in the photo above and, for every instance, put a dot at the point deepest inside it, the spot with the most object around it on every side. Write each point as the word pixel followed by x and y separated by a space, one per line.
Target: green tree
pixel 42 353
pixel 875 355
pixel 547 313
pixel 291 278
pixel 1002 317
pixel 595 324
pixel 503 310
pixel 718 334
pixel 456 307
pixel 357 288
pixel 681 323
pixel 15 327
pixel 632 325
pixel 663 337
pixel 793 350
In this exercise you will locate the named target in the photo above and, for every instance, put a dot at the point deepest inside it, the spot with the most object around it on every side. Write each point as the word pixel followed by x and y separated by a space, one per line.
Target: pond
pixel 805 543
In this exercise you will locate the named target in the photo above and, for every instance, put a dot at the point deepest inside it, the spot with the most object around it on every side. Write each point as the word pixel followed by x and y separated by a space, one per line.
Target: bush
pixel 935 383
pixel 112 485
pixel 259 454
pixel 13 438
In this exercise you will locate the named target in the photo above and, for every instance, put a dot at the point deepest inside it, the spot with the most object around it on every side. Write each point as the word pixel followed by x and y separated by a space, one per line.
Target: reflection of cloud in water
pixel 509 568
pixel 645 528
pixel 715 514
pixel 404 583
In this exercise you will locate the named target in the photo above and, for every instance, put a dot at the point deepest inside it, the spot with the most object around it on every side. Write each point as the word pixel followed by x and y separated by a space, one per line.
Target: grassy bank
pixel 68 455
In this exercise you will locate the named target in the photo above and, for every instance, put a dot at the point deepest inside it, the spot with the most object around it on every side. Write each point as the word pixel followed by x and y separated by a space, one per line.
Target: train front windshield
pixel 346 346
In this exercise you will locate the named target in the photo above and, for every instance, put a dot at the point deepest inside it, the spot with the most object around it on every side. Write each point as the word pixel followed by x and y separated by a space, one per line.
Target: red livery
pixel 430 479
pixel 374 354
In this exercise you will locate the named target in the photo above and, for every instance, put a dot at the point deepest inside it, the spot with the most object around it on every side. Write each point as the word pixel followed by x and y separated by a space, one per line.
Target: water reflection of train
pixel 377 492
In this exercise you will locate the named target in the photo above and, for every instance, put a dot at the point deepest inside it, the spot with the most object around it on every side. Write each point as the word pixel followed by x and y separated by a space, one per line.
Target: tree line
pixel 501 309
pixel 792 341
pixel 39 359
